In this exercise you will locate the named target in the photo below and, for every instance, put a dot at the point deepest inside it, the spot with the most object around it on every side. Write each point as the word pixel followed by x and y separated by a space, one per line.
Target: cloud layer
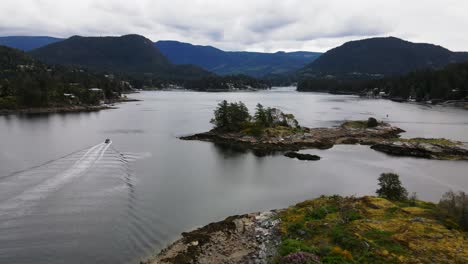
pixel 260 25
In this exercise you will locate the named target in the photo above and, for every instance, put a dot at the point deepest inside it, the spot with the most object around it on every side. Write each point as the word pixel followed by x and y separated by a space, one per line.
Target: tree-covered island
pixel 270 130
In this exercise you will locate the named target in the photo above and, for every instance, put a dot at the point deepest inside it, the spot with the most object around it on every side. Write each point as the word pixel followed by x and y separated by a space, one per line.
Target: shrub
pixel 391 187
pixel 372 122
pixel 8 102
pixel 455 205
pixel 346 239
pixel 289 246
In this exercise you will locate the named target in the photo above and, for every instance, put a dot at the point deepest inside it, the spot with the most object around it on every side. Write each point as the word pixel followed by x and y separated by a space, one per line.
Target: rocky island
pixel 271 130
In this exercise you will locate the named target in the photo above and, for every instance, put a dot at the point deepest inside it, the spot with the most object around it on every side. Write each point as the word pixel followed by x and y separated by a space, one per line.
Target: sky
pixel 250 25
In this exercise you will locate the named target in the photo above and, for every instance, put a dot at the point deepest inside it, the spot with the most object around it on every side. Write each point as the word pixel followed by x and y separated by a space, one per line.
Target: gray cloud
pixel 260 25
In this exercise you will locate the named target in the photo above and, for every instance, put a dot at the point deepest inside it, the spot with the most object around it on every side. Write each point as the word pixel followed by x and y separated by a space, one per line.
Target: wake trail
pixel 20 204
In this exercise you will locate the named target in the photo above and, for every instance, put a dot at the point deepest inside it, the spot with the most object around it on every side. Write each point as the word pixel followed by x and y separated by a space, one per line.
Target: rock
pixel 301 156
pixel 422 150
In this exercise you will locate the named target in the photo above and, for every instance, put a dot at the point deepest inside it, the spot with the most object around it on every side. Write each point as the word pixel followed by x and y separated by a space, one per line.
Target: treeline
pixel 25 82
pixel 235 117
pixel 449 83
pixel 224 83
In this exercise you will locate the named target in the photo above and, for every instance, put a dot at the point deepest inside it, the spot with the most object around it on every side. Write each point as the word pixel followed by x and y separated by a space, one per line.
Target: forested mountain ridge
pixel 256 64
pixel 379 57
pixel 448 83
pixel 130 54
pixel 27 43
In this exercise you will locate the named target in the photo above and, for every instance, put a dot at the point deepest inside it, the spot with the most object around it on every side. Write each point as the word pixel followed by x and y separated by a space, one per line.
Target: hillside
pixel 26 43
pixel 378 57
pixel 254 64
pixel 333 230
pixel 130 54
pixel 448 83
pixel 28 83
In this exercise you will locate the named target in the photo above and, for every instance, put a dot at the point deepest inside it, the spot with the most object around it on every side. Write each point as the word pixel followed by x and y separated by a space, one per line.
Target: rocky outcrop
pixel 251 238
pixel 281 139
pixel 423 150
pixel 301 156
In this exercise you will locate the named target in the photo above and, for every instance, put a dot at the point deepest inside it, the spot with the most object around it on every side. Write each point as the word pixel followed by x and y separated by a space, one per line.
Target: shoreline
pixel 66 109
pixel 319 229
pixel 382 137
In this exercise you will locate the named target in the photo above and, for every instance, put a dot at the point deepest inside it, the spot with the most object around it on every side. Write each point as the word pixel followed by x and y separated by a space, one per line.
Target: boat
pixel 107 141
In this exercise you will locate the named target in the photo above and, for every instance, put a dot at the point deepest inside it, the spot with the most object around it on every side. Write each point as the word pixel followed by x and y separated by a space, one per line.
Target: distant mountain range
pixel 26 43
pixel 378 57
pixel 362 59
pixel 129 54
pixel 221 62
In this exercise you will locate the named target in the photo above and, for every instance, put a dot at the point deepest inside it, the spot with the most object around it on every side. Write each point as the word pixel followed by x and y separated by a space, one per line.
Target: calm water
pixel 67 198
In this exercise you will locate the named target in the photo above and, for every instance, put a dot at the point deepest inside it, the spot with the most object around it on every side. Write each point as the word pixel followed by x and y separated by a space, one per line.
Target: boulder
pixel 301 156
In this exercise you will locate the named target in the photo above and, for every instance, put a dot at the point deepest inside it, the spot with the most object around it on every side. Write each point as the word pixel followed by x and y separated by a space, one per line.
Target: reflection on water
pixel 119 204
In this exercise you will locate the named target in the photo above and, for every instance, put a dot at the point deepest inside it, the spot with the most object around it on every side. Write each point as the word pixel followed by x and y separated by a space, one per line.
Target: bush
pixel 289 246
pixel 8 102
pixel 372 122
pixel 391 187
pixel 455 205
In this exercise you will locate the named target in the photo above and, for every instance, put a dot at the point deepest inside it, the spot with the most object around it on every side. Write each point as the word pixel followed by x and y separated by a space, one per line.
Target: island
pixel 390 228
pixel 270 130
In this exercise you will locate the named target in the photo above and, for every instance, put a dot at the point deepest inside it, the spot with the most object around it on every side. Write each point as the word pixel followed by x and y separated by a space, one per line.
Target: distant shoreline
pixel 65 109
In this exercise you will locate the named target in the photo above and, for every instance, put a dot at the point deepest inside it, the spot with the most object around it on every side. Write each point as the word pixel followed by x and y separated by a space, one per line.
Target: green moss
pixel 383 239
pixel 372 230
pixel 434 141
pixel 289 246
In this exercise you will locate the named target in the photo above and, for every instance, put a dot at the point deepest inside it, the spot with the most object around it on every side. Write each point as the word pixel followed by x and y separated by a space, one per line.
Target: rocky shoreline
pixel 304 138
pixel 328 229
pixel 67 109
pixel 381 136
pixel 62 109
pixel 250 238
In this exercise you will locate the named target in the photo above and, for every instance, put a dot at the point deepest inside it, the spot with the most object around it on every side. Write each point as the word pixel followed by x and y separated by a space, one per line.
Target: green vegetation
pixel 391 187
pixel 335 229
pixel 380 231
pixel 434 141
pixel 224 83
pixel 25 82
pixel 455 206
pixel 361 124
pixel 449 83
pixel 235 117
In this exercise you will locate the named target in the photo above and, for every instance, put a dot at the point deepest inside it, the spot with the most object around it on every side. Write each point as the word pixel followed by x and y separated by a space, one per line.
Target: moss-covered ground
pixel 369 230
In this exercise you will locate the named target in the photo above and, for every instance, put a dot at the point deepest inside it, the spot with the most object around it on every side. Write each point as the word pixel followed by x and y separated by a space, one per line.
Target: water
pixel 66 197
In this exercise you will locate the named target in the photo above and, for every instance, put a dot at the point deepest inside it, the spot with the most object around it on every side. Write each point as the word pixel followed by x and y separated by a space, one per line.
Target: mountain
pixel 255 64
pixel 26 43
pixel 129 54
pixel 378 57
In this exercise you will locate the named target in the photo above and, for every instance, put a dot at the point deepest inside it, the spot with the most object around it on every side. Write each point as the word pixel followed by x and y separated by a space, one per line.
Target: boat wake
pixel 25 189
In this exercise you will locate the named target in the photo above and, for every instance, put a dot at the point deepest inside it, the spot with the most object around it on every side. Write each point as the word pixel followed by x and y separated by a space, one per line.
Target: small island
pixel 392 227
pixel 270 130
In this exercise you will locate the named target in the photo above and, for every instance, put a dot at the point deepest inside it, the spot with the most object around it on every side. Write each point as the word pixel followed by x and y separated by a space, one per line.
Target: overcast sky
pixel 253 25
